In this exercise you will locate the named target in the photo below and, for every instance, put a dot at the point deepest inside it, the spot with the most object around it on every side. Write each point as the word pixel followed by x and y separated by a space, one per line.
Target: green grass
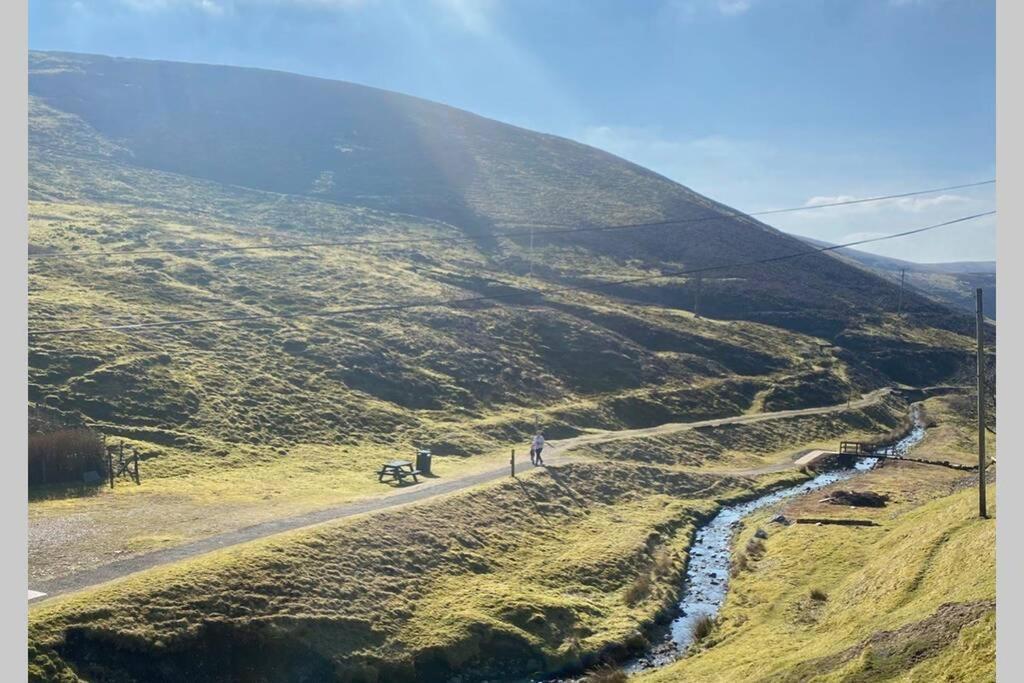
pixel 240 423
pixel 728 446
pixel 769 610
pixel 891 602
pixel 184 498
pixel 528 574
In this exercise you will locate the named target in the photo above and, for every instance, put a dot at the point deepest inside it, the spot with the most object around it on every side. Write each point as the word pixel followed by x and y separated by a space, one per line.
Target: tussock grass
pixel 638 590
pixel 663 561
pixel 702 627
pixel 818 595
pixel 740 563
pixel 755 548
pixel 606 674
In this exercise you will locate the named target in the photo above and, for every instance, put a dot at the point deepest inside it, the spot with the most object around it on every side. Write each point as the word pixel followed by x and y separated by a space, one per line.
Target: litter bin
pixel 423 461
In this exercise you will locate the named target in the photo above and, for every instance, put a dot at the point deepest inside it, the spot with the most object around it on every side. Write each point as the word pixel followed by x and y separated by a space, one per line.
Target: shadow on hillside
pixel 534 501
pixel 559 479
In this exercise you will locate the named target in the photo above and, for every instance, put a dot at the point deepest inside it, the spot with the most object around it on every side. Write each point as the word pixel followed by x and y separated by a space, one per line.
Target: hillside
pixel 345 143
pixel 952 283
pixel 256 419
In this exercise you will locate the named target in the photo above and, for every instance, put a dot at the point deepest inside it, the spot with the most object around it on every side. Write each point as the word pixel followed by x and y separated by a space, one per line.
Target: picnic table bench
pixel 398 470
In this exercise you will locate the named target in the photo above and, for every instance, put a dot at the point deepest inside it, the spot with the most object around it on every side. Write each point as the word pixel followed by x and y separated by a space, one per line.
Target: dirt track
pixel 554 456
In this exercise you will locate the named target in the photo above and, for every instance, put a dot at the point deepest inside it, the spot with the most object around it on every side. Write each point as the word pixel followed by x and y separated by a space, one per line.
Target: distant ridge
pixel 952 283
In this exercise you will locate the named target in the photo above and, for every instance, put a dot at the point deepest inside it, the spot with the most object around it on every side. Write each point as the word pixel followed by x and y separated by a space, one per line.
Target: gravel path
pixel 428 489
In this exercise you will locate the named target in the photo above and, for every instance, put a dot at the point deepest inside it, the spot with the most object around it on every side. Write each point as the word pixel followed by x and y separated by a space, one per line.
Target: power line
pixel 560 230
pixel 493 297
pixel 848 202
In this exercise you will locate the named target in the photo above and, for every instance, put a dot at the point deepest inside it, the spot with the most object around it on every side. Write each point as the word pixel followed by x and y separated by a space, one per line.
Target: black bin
pixel 423 461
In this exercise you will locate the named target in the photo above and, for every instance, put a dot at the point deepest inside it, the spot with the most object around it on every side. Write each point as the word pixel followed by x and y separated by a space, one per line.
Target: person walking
pixel 535 448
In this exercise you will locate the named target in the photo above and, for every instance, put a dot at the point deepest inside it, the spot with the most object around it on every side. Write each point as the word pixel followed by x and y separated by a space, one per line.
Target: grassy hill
pixel 131 153
pixel 344 143
pixel 252 420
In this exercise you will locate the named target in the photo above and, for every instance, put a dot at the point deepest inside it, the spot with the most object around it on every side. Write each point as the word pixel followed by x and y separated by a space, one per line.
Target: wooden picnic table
pixel 398 470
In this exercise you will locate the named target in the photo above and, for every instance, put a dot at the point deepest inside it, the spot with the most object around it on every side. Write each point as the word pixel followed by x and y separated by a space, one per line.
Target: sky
pixel 759 104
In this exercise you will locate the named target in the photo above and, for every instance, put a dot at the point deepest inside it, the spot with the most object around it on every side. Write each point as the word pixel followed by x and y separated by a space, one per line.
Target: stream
pixel 707 574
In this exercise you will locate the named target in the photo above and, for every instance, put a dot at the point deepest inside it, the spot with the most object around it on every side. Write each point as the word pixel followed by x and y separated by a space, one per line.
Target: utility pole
pixel 982 507
pixel 899 306
pixel 696 297
pixel 531 255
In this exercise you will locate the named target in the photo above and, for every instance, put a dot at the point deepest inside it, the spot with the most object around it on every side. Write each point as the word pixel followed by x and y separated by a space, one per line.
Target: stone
pixel 761 533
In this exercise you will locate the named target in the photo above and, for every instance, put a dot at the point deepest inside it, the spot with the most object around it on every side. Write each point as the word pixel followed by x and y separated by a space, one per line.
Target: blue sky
pixel 759 104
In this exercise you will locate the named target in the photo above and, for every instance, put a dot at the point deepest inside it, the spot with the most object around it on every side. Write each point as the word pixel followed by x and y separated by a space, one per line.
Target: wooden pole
pixel 899 306
pixel 110 466
pixel 531 256
pixel 982 507
pixel 512 462
pixel 135 453
pixel 696 297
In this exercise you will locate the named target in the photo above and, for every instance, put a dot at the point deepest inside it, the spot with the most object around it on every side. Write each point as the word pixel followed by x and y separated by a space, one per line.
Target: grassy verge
pixel 548 571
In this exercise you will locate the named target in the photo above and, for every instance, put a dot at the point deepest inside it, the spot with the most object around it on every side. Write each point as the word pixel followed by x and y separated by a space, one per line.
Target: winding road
pixel 555 455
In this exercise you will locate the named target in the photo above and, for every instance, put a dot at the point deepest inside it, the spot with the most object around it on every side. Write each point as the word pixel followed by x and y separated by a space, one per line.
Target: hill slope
pixel 347 143
pixel 131 153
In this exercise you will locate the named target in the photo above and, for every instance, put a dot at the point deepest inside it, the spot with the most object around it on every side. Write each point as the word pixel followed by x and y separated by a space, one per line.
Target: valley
pixel 267 285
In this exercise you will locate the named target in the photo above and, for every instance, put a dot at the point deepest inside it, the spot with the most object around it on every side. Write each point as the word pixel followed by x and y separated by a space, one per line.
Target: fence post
pixel 512 462
pixel 980 331
pixel 135 452
pixel 110 466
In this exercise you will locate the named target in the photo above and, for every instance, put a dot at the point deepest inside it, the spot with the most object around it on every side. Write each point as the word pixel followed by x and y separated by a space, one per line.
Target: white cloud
pixel 733 7
pixel 908 204
pixel 217 7
pixel 472 16
pixel 691 9
pixel 475 16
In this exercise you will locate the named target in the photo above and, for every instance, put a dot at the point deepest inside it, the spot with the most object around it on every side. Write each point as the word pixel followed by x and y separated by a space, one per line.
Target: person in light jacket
pixel 535 448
